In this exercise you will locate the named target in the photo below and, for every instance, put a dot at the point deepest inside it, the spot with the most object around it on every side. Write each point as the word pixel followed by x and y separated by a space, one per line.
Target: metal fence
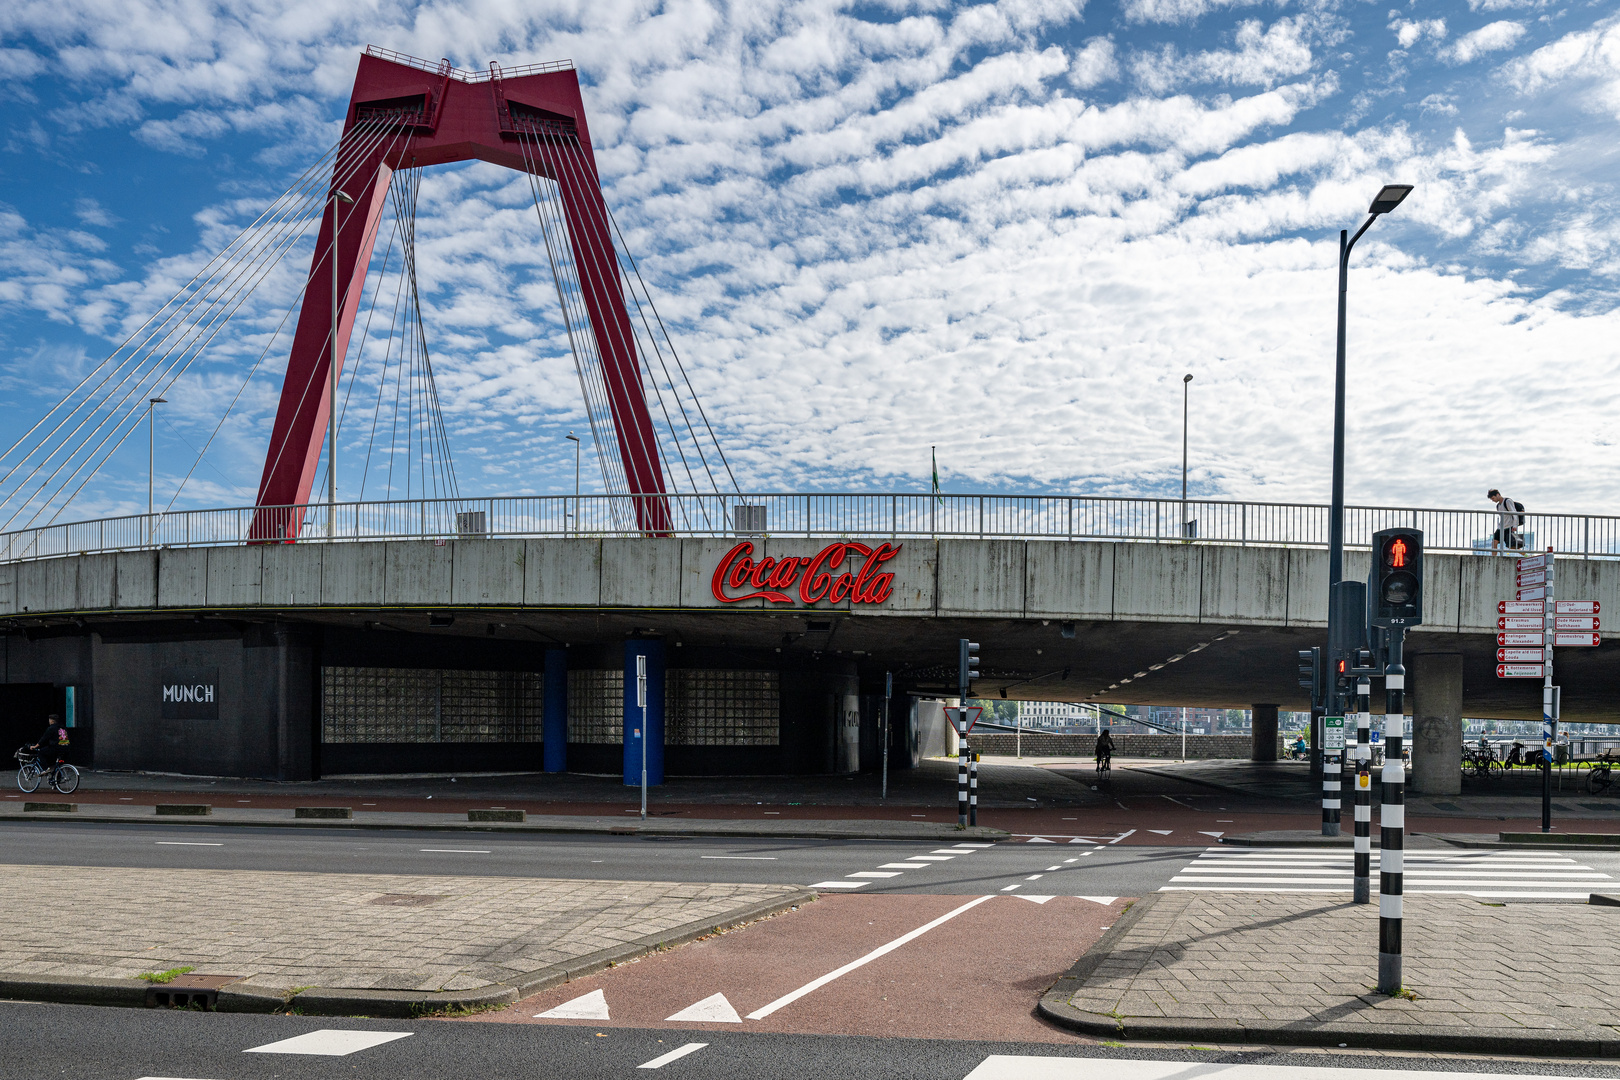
pixel 871 516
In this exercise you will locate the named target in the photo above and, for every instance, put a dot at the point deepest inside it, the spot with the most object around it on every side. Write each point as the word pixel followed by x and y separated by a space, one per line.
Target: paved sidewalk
pixel 357 943
pixel 1255 968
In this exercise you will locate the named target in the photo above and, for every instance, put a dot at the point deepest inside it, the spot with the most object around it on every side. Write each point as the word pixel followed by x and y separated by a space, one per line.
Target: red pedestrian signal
pixel 1398 582
pixel 1395 553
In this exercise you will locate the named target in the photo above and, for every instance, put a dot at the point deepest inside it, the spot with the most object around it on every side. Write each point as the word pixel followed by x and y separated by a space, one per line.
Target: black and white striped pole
pixel 1332 755
pixel 1392 821
pixel 1363 782
pixel 967 671
pixel 973 789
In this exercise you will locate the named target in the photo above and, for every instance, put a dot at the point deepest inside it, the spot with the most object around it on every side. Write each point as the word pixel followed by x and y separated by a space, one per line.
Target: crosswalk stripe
pixel 1481 874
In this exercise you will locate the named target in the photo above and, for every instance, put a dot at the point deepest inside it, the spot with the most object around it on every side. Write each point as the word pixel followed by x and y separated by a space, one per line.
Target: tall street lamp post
pixel 151 457
pixel 338 195
pixel 1387 199
pixel 1186 381
pixel 575 440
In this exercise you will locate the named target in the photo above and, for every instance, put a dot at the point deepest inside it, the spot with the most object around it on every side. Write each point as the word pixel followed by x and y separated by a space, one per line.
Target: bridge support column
pixel 1437 687
pixel 1263 725
pixel 555 714
pixel 653 650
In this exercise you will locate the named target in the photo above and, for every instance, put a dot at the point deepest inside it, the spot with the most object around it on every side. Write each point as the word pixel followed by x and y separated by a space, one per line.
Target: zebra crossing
pixel 1485 874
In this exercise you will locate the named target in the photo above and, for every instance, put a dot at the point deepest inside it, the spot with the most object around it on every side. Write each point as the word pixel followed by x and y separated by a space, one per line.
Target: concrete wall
pixel 1048 744
pixel 1051 579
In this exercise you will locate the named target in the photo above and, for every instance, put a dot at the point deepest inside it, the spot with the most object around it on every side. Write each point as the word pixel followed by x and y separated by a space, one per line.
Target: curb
pixel 396 1004
pixel 1054 1006
pixel 809 832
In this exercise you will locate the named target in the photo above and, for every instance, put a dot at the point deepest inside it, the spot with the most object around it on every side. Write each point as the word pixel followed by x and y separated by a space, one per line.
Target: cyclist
pixel 48 747
pixel 1105 748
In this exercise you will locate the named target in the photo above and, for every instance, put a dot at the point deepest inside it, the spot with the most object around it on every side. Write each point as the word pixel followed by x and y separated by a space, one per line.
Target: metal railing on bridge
pixel 851 515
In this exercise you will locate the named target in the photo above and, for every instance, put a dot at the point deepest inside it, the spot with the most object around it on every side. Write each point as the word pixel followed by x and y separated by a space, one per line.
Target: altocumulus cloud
pixel 1006 229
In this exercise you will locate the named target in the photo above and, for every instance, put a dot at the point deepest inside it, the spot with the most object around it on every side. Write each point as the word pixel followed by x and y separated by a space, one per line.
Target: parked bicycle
pixel 1482 761
pixel 1599 778
pixel 58 775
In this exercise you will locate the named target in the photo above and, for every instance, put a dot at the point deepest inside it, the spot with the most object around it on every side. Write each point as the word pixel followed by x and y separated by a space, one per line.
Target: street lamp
pixel 575 440
pixel 1186 381
pixel 1387 199
pixel 151 455
pixel 338 195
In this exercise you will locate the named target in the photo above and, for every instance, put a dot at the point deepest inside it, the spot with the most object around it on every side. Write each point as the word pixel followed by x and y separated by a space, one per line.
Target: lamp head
pixel 1389 197
pixel 157 401
pixel 1186 378
pixel 342 196
pixel 571 437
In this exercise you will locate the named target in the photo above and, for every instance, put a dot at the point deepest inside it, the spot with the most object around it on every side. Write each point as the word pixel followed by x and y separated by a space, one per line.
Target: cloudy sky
pixel 1006 229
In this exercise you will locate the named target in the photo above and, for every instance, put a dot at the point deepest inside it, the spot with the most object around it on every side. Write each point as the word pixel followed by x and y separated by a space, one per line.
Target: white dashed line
pixel 673 1055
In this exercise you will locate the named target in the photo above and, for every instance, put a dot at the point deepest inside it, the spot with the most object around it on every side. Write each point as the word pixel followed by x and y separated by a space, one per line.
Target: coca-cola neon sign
pixel 813 579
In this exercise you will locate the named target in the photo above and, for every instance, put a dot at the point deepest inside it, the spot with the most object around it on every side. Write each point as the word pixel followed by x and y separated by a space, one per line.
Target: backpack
pixel 1517 519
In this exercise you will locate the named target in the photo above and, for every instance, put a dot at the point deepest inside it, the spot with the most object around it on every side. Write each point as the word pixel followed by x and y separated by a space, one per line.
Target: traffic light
pixel 1398 576
pixel 1311 674
pixel 1347 632
pixel 968 668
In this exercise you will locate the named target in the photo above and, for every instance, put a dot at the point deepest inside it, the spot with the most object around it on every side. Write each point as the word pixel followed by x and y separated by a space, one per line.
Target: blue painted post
pixel 555 716
pixel 653 650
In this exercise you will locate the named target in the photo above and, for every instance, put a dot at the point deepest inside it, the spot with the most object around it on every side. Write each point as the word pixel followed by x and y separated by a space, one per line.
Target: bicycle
pixel 1599 778
pixel 61 777
pixel 1483 762
pixel 1104 764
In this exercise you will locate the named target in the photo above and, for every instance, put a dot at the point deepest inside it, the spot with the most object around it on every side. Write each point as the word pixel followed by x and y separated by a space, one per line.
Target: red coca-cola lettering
pixel 817 577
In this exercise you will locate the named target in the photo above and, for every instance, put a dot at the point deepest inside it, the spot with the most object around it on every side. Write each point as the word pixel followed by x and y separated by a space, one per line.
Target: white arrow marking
pixel 714 1009
pixel 1036 899
pixel 591 1006
pixel 1041 840
pixel 1162 832
pixel 1103 900
pixel 1201 832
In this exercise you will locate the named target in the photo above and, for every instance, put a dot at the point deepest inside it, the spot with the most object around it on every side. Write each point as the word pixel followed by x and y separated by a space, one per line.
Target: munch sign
pixel 189 694
pixel 807 580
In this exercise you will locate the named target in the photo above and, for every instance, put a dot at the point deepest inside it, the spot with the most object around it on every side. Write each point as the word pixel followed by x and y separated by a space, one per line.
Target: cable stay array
pixel 405 450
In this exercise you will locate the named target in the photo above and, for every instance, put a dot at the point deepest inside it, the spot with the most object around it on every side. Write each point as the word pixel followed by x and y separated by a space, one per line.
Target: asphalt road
pixel 1115 870
pixel 124 1044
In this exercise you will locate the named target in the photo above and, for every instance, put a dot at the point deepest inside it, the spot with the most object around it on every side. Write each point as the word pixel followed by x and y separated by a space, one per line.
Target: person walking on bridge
pixel 1509 522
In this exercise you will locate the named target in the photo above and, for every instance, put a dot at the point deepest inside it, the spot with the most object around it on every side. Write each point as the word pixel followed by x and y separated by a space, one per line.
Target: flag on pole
pixel 934 460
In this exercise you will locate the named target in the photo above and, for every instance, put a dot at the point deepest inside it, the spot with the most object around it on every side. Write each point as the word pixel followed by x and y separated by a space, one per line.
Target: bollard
pixel 973 789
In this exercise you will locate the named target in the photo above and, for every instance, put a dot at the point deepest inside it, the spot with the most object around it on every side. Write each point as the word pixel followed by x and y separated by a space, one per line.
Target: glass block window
pixel 410 705
pixel 722 708
pixel 596 707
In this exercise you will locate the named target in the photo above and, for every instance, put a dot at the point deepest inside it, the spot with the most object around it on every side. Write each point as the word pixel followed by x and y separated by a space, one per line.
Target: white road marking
pixel 714 1009
pixel 755 858
pixel 838 884
pixel 1032 897
pixel 1049 869
pixel 903 866
pixel 1010 1067
pixel 931 858
pixel 1480 874
pixel 950 851
pixel 591 1006
pixel 673 1055
pixel 874 873
pixel 882 950
pixel 1075 859
pixel 1034 877
pixel 187 843
pixel 1039 840
pixel 1122 836
pixel 1103 900
pixel 1013 886
pixel 330 1042
pixel 457 850
pixel 973 847
pixel 1161 832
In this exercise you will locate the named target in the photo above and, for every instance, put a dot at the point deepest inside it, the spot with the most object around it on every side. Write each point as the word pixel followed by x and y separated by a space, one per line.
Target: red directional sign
pixel 1573 639
pixel 1575 622
pixel 1535 562
pixel 1576 607
pixel 1520 607
pixel 1518 639
pixel 1520 656
pixel 1520 622
pixel 1532 577
pixel 1520 671
pixel 1536 592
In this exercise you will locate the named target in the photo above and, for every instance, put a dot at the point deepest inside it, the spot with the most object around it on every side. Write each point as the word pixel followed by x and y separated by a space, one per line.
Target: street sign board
pixel 1575 639
pixel 1535 592
pixel 1519 622
pixel 1575 622
pixel 1520 607
pixel 1518 639
pixel 1520 671
pixel 1532 577
pixel 1520 656
pixel 1535 562
pixel 1576 607
pixel 1333 733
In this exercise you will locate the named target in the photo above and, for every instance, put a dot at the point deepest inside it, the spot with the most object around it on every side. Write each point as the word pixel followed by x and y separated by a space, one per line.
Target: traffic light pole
pixel 1363 869
pixel 1549 721
pixel 1392 820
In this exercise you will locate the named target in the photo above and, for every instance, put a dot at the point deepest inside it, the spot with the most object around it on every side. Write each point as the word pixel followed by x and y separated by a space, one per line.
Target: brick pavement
pixel 1255 966
pixel 363 931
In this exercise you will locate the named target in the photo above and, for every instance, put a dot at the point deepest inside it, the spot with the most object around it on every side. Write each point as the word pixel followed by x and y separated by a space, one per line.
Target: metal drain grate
pixel 188 992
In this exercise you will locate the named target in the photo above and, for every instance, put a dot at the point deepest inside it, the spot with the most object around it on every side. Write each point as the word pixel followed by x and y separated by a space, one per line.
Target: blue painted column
pixel 653 650
pixel 555 714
